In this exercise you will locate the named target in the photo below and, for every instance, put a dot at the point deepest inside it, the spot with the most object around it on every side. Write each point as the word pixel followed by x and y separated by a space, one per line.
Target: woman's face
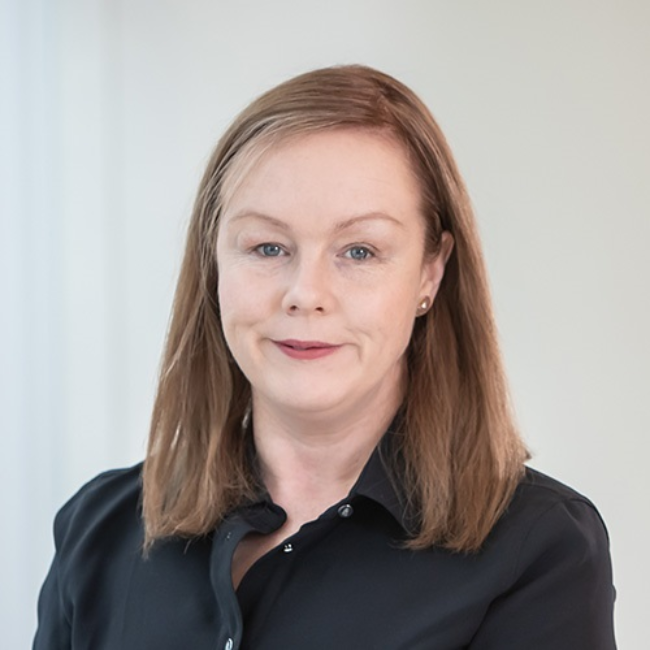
pixel 321 270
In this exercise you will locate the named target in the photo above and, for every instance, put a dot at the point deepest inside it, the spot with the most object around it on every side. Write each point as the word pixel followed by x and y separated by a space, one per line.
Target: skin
pixel 323 241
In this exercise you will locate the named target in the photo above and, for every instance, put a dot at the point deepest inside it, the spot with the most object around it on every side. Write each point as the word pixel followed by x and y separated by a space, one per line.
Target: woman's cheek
pixel 245 296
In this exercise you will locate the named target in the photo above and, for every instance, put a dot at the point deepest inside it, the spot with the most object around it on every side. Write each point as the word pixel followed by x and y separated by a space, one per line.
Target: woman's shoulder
pixel 551 549
pixel 112 489
pixel 545 487
pixel 549 524
pixel 539 496
pixel 108 503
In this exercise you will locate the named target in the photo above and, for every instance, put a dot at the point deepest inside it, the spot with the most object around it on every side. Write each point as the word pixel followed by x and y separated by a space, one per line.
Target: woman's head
pixel 341 98
pixel 322 272
pixel 456 420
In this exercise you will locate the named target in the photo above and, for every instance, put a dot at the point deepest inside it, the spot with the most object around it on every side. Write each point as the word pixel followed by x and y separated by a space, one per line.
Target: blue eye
pixel 359 253
pixel 269 250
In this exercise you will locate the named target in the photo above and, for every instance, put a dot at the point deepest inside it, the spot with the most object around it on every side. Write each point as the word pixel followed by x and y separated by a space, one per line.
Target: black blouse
pixel 542 581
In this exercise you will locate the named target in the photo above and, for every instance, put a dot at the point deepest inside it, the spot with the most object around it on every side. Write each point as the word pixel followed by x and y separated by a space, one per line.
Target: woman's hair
pixel 460 455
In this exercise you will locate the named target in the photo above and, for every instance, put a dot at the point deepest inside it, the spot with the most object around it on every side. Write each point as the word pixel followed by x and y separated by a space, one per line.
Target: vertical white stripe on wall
pixel 31 312
pixel 62 280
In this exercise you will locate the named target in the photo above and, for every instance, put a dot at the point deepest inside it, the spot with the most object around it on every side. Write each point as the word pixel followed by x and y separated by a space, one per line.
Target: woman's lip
pixel 304 345
pixel 306 349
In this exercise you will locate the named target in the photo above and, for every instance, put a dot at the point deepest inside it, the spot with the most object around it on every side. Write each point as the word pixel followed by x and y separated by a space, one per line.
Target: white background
pixel 108 112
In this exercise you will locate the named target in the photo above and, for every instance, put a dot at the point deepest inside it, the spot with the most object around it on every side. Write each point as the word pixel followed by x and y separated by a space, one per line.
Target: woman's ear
pixel 433 268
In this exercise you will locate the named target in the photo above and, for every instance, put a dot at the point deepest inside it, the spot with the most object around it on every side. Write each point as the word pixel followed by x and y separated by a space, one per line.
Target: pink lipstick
pixel 306 350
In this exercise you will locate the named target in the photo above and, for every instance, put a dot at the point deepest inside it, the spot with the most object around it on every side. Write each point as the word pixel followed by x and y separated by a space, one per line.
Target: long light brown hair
pixel 461 456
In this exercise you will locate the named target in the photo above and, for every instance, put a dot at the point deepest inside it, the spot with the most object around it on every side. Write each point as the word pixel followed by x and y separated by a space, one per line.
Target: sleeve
pixel 54 629
pixel 561 595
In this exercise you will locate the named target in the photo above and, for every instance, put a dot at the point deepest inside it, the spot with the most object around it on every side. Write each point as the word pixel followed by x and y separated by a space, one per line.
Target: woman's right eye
pixel 269 250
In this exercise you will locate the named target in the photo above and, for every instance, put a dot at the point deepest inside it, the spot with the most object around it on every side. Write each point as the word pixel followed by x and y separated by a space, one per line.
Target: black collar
pixel 380 480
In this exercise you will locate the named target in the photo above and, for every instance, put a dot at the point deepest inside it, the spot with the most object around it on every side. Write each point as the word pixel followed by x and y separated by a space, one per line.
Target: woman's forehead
pixel 362 170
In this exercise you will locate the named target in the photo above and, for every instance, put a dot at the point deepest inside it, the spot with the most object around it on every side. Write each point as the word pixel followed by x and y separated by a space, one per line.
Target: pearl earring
pixel 424 305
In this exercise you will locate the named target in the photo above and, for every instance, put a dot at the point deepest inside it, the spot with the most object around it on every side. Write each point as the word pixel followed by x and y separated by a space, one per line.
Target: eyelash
pixel 368 252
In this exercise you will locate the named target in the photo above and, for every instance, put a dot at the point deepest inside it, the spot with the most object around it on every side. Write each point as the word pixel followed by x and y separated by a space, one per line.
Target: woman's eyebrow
pixel 370 216
pixel 252 214
pixel 342 225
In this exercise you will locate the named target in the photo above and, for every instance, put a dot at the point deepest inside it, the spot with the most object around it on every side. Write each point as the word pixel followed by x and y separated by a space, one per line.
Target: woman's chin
pixel 306 404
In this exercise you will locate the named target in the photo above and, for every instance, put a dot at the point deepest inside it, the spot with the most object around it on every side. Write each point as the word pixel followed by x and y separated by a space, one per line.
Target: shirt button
pixel 346 510
pixel 287 548
pixel 229 644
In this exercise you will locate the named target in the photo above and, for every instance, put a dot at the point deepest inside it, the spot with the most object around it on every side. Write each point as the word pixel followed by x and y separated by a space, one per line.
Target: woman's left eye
pixel 359 253
pixel 269 250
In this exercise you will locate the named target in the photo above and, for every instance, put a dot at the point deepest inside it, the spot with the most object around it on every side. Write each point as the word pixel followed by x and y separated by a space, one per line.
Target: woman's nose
pixel 308 288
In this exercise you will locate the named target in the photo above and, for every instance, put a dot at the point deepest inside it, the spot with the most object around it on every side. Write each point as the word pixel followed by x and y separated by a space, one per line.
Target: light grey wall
pixel 109 110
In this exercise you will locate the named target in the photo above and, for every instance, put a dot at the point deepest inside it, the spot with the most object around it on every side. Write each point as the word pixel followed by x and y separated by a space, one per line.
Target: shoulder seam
pixel 567 499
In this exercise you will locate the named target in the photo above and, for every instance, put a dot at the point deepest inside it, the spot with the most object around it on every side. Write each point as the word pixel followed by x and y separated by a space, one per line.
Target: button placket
pixel 228 536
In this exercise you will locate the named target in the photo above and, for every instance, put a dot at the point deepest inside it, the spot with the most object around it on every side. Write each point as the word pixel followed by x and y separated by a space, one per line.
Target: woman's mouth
pixel 306 350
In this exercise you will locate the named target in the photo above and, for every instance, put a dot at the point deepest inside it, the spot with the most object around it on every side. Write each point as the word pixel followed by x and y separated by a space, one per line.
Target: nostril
pixel 293 309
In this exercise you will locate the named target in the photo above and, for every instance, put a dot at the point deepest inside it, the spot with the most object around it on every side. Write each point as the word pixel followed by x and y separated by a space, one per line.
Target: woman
pixel 332 459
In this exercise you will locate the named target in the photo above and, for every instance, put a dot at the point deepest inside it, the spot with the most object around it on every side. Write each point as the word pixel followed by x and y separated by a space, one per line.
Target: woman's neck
pixel 308 463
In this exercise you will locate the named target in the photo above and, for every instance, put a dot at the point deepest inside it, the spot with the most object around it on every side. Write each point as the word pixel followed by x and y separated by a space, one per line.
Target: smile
pixel 306 350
